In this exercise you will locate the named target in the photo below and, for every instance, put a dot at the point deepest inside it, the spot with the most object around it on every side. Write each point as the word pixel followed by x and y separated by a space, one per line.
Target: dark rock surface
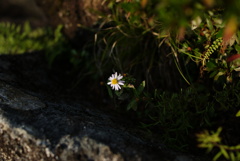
pixel 18 11
pixel 59 128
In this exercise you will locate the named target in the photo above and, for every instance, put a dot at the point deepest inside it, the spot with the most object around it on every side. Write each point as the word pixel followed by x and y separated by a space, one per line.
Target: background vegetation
pixel 186 52
pixel 180 62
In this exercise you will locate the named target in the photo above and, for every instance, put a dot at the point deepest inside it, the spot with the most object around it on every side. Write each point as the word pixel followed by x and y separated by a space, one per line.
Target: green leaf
pixel 224 152
pixel 238 114
pixel 232 156
pixel 219 33
pixel 132 105
pixel 213 74
pixel 27 28
pixel 218 75
pixel 130 7
pixel 209 24
pixel 209 147
pixel 119 93
pixel 217 156
pixel 110 91
pixel 141 87
pixel 211 65
pixel 237 47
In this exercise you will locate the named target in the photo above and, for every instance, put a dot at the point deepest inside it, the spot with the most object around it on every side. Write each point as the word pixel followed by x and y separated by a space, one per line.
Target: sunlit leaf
pixel 232 156
pixel 217 156
pixel 196 23
pixel 224 152
pixel 218 75
pixel 141 87
pixel 238 114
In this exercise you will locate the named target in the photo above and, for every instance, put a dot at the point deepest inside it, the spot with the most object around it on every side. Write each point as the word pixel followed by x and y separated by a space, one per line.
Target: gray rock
pixel 17 99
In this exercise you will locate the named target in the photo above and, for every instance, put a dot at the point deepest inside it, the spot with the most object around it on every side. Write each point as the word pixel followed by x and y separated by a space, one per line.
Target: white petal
pixel 115 75
pixel 121 83
pixel 119 87
pixel 120 76
pixel 114 87
pixel 109 82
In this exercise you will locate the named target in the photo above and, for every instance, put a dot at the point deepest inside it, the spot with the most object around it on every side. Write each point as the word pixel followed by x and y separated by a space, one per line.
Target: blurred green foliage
pixel 137 33
pixel 176 116
pixel 18 39
pixel 211 140
pixel 186 52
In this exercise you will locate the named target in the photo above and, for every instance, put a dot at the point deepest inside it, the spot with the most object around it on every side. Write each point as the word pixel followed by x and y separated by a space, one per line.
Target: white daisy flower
pixel 115 81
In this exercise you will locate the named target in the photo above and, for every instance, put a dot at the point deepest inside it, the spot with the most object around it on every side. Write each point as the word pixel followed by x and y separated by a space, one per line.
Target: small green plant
pixel 145 35
pixel 174 115
pixel 208 48
pixel 211 49
pixel 163 110
pixel 155 41
pixel 127 92
pixel 211 140
pixel 18 39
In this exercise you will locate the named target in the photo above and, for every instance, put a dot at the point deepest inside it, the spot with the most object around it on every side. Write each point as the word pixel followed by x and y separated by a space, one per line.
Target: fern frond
pixel 215 45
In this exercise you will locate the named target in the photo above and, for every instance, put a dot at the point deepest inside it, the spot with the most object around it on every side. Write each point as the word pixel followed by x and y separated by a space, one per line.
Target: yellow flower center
pixel 115 81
